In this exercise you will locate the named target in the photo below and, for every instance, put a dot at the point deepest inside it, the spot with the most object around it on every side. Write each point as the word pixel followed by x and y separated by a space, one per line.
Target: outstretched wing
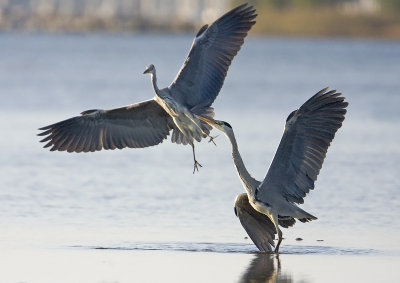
pixel 137 125
pixel 203 72
pixel 302 150
pixel 257 225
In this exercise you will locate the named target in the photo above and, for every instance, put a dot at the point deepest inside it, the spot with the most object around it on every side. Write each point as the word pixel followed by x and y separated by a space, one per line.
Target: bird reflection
pixel 265 268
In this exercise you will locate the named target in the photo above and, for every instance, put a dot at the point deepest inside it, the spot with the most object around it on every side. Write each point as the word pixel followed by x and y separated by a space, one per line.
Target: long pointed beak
pixel 145 72
pixel 208 121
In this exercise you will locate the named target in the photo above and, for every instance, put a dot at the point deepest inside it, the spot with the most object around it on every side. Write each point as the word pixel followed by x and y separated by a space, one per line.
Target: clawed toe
pixel 195 166
pixel 212 139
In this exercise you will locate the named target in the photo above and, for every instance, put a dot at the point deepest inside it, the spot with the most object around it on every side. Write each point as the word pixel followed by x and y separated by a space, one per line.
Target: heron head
pixel 223 125
pixel 149 69
pixel 220 125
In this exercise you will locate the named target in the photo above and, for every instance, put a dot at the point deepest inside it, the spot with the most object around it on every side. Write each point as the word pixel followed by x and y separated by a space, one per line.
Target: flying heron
pixel 307 135
pixel 175 107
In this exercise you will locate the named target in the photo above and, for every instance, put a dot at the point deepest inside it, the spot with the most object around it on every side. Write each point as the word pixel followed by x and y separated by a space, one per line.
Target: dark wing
pixel 302 150
pixel 138 125
pixel 203 72
pixel 257 225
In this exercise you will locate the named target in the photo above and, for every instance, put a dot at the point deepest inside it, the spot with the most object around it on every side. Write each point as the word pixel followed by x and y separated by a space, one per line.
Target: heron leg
pixel 279 241
pixel 196 164
pixel 275 220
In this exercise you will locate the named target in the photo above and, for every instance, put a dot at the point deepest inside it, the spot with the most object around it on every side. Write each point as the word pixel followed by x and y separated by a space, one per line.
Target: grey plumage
pixel 257 225
pixel 211 54
pixel 293 171
pixel 138 125
pixel 173 108
pixel 303 147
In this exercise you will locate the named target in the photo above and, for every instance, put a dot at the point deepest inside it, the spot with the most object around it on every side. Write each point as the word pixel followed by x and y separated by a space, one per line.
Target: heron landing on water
pixel 293 171
pixel 176 107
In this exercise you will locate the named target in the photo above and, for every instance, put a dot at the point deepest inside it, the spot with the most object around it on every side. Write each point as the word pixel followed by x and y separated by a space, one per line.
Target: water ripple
pixel 232 248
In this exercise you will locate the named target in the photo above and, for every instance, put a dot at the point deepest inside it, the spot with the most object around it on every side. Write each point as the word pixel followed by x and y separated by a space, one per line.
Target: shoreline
pixel 191 33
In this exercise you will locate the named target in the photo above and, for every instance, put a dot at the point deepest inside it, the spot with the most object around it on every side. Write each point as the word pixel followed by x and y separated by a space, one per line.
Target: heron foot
pixel 212 139
pixel 196 166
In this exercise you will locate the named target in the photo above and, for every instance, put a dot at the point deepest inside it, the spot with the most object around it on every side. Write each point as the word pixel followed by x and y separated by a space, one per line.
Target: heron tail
pixel 304 216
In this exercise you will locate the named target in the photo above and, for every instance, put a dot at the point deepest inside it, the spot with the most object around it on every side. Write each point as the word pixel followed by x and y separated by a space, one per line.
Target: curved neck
pixel 154 82
pixel 247 181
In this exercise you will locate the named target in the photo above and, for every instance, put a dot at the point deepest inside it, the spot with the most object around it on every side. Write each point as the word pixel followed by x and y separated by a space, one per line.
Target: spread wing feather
pixel 204 70
pixel 137 125
pixel 302 150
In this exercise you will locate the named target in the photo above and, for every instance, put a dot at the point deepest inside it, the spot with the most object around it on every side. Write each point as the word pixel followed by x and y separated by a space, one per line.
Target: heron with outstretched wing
pixel 293 171
pixel 175 107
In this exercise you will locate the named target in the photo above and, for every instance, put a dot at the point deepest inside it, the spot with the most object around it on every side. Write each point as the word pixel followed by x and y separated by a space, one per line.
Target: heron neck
pixel 244 175
pixel 154 82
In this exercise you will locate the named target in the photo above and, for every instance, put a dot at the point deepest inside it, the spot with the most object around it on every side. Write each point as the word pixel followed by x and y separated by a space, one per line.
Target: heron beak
pixel 146 71
pixel 208 121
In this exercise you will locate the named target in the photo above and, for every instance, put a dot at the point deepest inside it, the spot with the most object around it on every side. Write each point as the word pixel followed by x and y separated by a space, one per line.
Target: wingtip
pixel 44 128
pixel 244 8
pixel 322 91
pixel 47 145
pixel 201 30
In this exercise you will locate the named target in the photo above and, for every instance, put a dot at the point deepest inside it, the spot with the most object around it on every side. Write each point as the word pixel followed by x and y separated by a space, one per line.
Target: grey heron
pixel 175 107
pixel 307 135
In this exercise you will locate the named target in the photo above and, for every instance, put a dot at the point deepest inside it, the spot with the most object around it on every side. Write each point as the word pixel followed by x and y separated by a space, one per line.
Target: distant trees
pixel 385 5
pixel 297 3
pixel 390 5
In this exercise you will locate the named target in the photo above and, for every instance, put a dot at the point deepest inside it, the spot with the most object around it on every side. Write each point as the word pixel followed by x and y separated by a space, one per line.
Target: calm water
pixel 146 203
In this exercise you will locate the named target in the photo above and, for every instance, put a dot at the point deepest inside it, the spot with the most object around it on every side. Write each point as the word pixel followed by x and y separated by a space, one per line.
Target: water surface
pixel 146 203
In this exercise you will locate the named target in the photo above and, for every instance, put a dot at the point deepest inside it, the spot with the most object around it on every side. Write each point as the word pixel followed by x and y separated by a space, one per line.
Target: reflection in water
pixel 265 268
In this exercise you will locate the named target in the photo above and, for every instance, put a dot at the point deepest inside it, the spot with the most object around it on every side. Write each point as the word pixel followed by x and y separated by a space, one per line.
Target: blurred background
pixel 359 18
pixel 61 57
